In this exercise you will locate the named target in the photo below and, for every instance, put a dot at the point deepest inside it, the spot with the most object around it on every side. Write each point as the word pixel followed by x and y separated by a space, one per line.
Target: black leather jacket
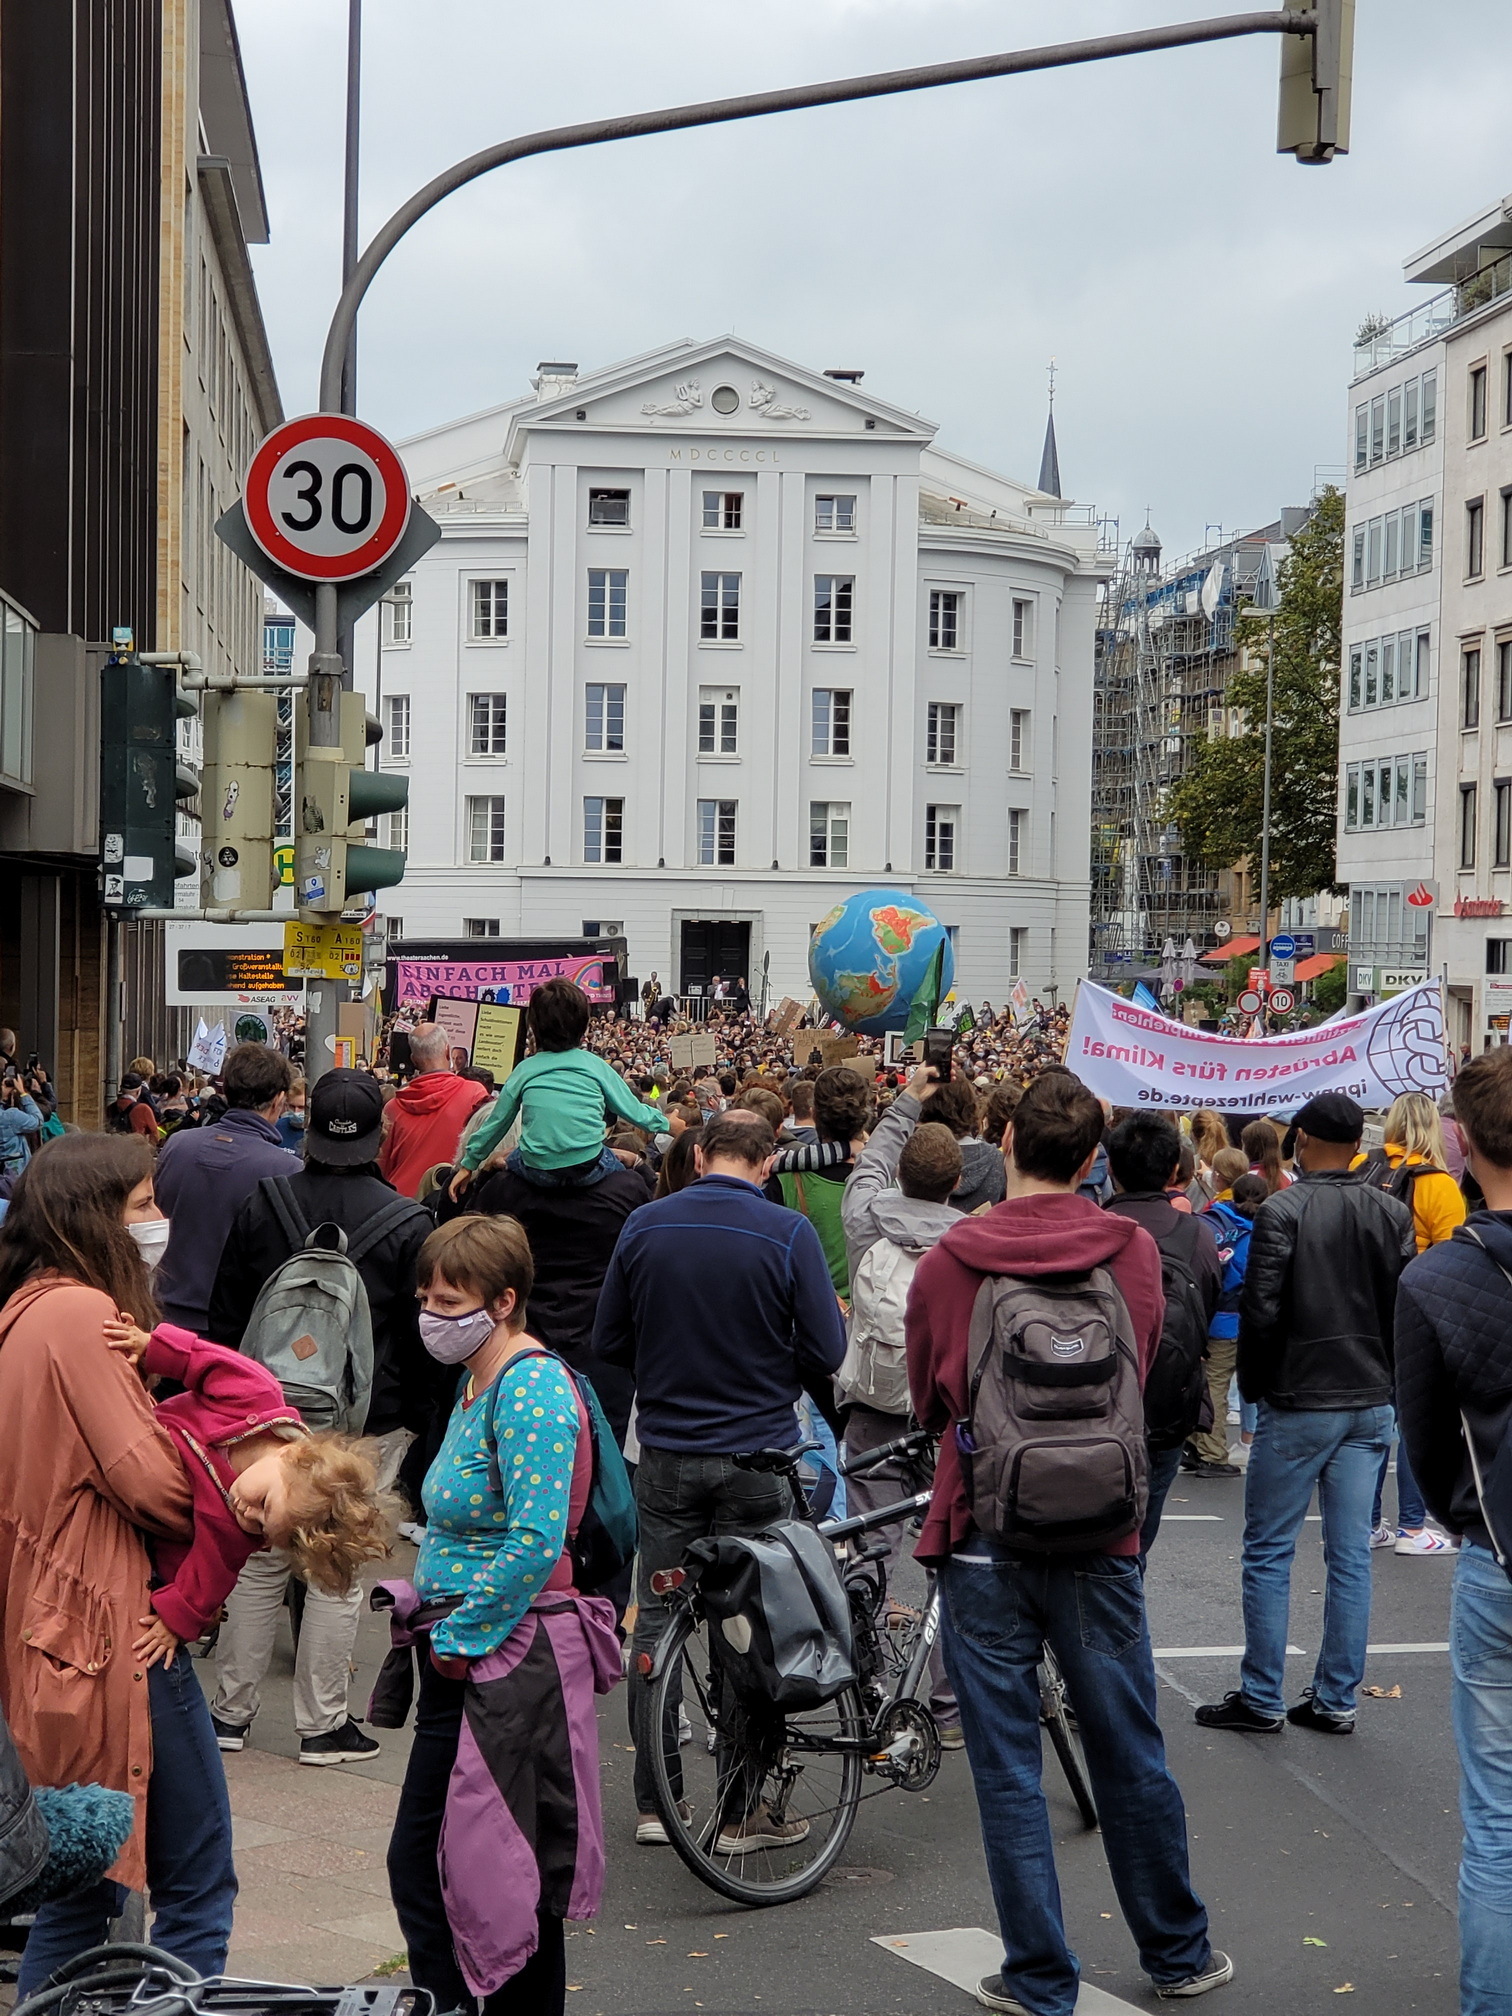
pixel 23 1833
pixel 1315 1321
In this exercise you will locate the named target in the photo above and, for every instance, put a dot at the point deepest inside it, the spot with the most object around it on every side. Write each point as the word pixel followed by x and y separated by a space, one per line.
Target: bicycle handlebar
pixel 912 1444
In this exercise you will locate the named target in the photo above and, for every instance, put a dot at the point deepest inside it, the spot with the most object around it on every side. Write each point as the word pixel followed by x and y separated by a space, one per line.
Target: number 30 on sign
pixel 326 497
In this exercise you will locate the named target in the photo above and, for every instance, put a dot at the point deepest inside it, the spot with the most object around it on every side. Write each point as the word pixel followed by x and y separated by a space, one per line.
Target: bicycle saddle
pixel 777 1462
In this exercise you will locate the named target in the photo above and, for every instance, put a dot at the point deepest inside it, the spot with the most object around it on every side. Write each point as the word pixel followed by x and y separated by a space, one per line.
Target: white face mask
pixel 151 1236
pixel 451 1340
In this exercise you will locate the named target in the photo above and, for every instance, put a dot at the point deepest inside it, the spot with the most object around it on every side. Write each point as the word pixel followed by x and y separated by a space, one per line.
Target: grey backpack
pixel 1053 1447
pixel 311 1325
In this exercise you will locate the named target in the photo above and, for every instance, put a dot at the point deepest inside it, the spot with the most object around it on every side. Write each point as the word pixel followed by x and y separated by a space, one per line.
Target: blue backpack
pixel 606 1538
pixel 1234 1232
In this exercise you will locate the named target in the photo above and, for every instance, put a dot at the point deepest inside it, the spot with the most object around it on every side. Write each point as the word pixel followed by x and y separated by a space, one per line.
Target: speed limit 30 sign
pixel 326 497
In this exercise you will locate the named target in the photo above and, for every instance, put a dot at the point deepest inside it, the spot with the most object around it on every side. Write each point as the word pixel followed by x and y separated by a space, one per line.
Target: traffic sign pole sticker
pixel 326 497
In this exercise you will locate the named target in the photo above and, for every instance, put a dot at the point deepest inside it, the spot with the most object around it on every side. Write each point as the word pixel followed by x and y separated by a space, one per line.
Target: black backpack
pixel 1176 1398
pixel 1399 1182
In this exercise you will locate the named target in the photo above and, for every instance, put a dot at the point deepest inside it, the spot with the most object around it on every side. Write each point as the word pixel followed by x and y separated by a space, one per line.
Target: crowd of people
pixel 258 1330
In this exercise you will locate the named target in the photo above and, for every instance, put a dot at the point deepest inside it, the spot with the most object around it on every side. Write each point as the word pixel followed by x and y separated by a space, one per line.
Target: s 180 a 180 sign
pixel 326 497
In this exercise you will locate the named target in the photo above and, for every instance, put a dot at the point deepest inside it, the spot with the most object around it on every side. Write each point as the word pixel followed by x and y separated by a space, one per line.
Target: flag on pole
pixel 925 1007
pixel 965 1021
pixel 1145 998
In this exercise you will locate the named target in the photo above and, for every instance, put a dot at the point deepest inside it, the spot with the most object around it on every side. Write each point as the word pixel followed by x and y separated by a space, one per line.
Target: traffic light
pixel 236 800
pixel 141 782
pixel 1317 78
pixel 335 796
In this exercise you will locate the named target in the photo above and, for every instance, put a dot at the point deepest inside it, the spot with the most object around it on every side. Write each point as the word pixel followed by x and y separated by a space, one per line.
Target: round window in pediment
pixel 725 399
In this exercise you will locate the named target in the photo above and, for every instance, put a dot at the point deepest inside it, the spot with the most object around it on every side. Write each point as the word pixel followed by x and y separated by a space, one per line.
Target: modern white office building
pixel 711 640
pixel 1425 808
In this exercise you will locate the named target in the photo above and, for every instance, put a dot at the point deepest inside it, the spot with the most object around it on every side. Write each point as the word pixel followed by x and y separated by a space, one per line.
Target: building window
pixel 1425 529
pixel 604 830
pixel 1387 791
pixel 719 620
pixel 940 822
pixel 940 734
pixel 1504 679
pixel 1373 551
pixel 1357 568
pixel 490 610
pixel 608 507
pixel 1467 826
pixel 1475 537
pixel 834 514
pixel 1410 414
pixel 1018 738
pixel 1377 428
pixel 485 829
pixel 1362 436
pixel 944 619
pixel 833 595
pixel 608 593
pixel 1478 403
pixel 722 510
pixel 1430 405
pixel 1016 822
pixel 1394 421
pixel 1507 389
pixel 831 721
pixel 1503 788
pixel 401 609
pixel 716 832
pixel 1023 628
pixel 1496 955
pixel 1506 528
pixel 1470 680
pixel 604 720
pixel 396 830
pixel 718 722
pixel 396 727
pixel 1018 950
pixel 829 836
pixel 480 927
pixel 488 720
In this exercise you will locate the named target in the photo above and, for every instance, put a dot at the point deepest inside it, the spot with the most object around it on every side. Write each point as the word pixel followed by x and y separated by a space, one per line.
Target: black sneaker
pixel 1308 1715
pixel 346 1745
pixel 992 1994
pixel 1218 1970
pixel 1217 1470
pixel 1190 1460
pixel 1234 1712
pixel 230 1735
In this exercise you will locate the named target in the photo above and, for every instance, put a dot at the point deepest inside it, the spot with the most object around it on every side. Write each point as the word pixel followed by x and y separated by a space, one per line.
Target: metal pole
pixel 349 202
pixel 113 1005
pixel 1265 817
pixel 720 111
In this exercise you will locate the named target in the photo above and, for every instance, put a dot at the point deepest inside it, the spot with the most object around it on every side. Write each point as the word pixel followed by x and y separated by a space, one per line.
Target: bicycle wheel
pixel 1065 1741
pixel 758 1804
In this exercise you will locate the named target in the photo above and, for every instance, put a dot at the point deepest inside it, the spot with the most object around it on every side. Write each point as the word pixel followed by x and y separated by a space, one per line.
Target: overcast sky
pixel 1131 219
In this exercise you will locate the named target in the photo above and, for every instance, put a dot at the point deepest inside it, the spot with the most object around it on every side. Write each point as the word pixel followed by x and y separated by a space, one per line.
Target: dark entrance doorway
pixel 714 949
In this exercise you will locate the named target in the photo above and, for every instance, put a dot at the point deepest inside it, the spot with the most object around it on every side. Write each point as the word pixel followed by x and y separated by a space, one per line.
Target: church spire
pixel 1049 473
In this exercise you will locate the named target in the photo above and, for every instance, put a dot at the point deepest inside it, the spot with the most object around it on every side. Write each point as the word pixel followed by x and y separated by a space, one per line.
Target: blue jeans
pixel 1294 1449
pixel 581 1176
pixel 1411 1511
pixel 1480 1646
pixel 1164 1465
pixel 191 1879
pixel 998 1611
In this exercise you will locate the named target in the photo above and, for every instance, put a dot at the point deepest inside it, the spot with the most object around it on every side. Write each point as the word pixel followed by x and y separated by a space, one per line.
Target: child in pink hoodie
pixel 259 1479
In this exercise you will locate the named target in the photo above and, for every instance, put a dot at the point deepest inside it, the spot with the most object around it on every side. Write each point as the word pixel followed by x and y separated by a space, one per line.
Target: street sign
pixel 326 497
pixel 1283 946
pixel 1398 979
pixel 1282 1000
pixel 1259 977
pixel 1283 972
pixel 325 951
pixel 1249 1002
pixel 1223 929
pixel 1362 979
pixel 283 863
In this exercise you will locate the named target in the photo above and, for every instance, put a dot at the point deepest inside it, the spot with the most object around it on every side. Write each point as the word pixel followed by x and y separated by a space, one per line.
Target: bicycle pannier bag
pixel 778 1615
pixel 1053 1447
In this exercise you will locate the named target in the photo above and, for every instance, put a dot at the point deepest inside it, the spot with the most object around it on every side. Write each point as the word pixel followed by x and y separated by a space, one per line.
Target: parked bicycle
pixel 723 1758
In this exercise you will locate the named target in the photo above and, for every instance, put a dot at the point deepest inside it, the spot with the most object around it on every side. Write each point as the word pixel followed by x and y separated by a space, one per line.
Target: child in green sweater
pixel 563 1093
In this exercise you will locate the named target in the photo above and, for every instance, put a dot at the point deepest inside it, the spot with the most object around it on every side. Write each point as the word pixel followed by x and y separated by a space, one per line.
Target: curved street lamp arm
pixel 720 111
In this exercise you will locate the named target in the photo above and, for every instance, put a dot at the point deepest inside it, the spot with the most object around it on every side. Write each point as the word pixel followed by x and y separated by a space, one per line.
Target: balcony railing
pixel 1420 325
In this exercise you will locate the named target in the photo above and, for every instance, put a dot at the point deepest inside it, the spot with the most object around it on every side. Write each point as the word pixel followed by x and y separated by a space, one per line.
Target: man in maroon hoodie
pixel 1001 1606
pixel 425 1118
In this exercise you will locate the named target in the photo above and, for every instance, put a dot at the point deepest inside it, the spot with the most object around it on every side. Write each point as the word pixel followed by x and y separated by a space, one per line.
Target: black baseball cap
pixel 1330 1116
pixel 345 1124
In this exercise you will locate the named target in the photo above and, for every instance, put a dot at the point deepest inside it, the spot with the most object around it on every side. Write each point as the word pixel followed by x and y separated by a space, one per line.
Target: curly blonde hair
pixel 344 1519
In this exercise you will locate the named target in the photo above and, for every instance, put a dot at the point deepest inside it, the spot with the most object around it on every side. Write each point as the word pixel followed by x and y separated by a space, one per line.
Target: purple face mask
pixel 451 1339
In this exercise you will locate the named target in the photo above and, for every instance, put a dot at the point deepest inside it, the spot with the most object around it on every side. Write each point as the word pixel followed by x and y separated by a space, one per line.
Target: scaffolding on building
pixel 1165 654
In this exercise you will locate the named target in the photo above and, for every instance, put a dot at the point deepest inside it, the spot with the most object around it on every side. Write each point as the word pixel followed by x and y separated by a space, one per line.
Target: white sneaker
pixel 1426 1542
pixel 684 1727
pixel 1383 1536
pixel 1233 1417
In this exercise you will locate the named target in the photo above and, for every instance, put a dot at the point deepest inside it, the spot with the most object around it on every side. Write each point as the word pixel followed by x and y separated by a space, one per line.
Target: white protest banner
pixel 208 1050
pixel 1132 1058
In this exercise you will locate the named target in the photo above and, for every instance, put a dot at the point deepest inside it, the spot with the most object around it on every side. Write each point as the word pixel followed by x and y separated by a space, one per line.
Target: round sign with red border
pixel 1249 1002
pixel 1282 1000
pixel 326 497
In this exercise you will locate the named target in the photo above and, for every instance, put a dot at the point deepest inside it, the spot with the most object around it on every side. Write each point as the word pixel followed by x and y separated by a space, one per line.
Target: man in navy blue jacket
pixel 721 1305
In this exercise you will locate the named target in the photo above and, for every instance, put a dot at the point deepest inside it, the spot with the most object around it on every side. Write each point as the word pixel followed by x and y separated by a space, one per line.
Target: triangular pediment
pixel 723 386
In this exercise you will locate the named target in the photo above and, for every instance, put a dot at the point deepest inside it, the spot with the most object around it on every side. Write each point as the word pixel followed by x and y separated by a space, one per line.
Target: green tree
pixel 1330 989
pixel 1219 802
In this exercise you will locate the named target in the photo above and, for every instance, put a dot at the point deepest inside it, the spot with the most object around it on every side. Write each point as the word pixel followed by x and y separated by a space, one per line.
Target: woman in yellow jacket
pixel 1414 1141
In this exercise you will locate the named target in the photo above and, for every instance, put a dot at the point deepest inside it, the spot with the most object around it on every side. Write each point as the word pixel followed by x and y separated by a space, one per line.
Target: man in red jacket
pixel 1001 1606
pixel 425 1118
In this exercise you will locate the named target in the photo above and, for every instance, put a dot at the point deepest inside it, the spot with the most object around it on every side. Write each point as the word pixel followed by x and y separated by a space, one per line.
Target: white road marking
pixel 967 1953
pixel 1427 1646
pixel 1191 1518
pixel 1215 1652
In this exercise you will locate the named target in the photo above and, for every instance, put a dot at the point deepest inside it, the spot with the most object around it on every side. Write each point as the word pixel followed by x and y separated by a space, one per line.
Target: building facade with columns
pixel 712 640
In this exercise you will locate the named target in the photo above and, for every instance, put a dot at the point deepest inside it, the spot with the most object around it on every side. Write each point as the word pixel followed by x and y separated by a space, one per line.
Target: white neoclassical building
pixel 710 641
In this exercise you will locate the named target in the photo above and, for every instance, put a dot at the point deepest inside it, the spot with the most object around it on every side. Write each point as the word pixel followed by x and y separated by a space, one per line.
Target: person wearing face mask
pixel 294 1119
pixel 512 1646
pixel 89 1480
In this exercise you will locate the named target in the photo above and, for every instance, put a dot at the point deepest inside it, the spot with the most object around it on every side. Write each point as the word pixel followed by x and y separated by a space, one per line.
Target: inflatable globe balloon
pixel 871 954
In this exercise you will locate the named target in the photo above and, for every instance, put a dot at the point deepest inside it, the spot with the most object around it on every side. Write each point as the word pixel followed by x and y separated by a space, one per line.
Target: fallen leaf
pixel 1105 1914
pixel 1314 1942
pixel 698 1956
pixel 1383 1693
pixel 656 1942
pixel 721 1935
pixel 1347 1989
